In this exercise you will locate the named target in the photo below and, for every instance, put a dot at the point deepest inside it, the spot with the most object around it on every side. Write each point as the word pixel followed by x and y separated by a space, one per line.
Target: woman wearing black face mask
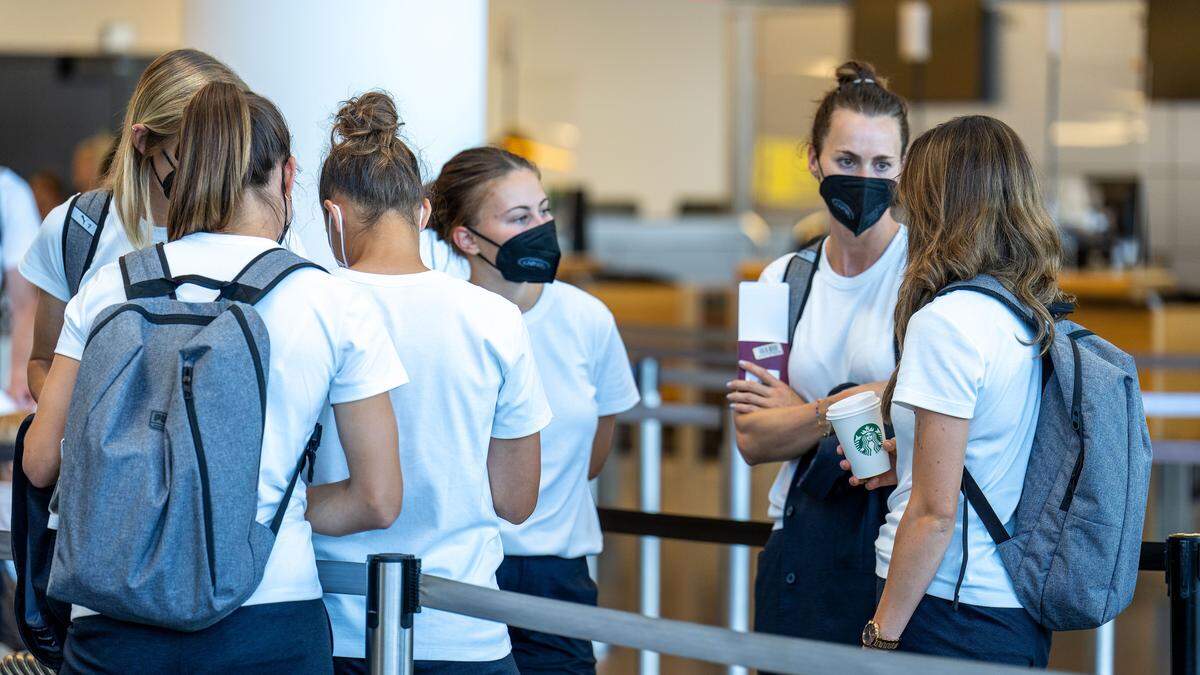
pixel 489 205
pixel 816 574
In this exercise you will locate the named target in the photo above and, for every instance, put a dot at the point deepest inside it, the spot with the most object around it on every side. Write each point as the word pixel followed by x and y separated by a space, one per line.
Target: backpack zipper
pixel 1076 417
pixel 189 403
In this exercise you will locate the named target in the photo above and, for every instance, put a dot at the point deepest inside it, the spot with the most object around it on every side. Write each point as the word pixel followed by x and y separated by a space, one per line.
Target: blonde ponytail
pixel 158 102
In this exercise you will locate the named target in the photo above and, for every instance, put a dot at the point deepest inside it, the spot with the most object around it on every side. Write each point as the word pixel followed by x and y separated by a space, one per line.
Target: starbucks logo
pixel 868 439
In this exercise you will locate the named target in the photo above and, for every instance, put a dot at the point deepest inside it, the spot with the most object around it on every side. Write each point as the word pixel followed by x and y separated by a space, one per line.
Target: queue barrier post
pixel 650 440
pixel 739 555
pixel 393 596
pixel 1183 585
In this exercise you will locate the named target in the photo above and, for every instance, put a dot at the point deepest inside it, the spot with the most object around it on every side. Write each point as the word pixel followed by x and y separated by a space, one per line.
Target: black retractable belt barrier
pixel 756 532
pixel 1183 585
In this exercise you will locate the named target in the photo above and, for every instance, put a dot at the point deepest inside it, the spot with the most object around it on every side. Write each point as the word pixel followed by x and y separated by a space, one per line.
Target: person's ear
pixel 426 210
pixel 139 137
pixel 464 240
pixel 814 162
pixel 332 215
pixel 289 175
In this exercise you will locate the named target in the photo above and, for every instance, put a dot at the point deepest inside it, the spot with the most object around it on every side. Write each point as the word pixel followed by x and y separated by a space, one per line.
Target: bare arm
pixel 515 476
pixel 940 445
pixel 22 298
pixel 601 445
pixel 43 458
pixel 370 499
pixel 47 324
pixel 784 433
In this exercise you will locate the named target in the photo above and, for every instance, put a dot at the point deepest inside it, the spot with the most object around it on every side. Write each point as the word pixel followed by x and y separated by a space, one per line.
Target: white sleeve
pixel 102 290
pixel 367 363
pixel 42 264
pixel 942 368
pixel 778 267
pixel 612 376
pixel 20 218
pixel 521 408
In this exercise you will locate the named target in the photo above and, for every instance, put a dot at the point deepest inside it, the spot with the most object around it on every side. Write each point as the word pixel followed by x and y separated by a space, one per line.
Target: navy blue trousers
pixel 281 637
pixel 505 666
pixel 558 579
pixel 816 576
pixel 993 634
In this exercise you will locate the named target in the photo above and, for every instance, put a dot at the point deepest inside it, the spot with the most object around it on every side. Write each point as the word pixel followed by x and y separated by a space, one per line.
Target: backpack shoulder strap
pixel 145 274
pixel 81 234
pixel 799 276
pixel 263 273
pixel 990 286
pixel 307 457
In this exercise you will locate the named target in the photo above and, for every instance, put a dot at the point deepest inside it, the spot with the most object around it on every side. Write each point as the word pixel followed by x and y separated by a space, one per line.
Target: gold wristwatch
pixel 871 639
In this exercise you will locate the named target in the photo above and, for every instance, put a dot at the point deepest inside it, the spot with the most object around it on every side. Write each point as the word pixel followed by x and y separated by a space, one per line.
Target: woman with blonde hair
pixel 327 346
pixel 95 228
pixel 965 395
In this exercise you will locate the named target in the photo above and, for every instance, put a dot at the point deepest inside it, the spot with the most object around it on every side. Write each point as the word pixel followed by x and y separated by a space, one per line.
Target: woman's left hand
pixel 768 392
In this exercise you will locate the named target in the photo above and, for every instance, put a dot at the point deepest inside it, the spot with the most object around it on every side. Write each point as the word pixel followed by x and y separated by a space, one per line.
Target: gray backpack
pixel 158 491
pixel 1072 552
pixel 85 220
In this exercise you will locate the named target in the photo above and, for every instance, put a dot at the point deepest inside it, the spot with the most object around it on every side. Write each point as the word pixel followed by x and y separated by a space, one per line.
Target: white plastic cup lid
pixel 852 405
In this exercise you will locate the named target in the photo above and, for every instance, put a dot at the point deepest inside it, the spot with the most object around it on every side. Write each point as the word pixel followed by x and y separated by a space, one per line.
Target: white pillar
pixel 308 55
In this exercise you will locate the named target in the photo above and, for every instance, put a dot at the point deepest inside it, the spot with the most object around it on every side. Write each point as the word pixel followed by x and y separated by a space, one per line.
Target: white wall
pixel 307 55
pixel 643 86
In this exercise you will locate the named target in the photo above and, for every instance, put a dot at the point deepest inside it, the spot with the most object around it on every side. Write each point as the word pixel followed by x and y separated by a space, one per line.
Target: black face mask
pixel 169 181
pixel 531 256
pixel 858 203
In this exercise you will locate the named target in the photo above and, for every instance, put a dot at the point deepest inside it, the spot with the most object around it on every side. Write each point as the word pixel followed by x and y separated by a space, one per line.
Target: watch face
pixel 869 634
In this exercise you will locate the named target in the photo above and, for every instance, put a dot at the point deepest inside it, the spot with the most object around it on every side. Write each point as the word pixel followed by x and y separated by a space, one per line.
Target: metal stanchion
pixel 651 500
pixel 739 556
pixel 1106 639
pixel 393 595
pixel 1183 561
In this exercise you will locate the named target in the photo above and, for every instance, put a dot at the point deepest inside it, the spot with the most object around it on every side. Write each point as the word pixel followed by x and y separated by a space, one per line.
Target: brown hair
pixel 860 89
pixel 158 101
pixel 972 203
pixel 460 188
pixel 369 162
pixel 230 141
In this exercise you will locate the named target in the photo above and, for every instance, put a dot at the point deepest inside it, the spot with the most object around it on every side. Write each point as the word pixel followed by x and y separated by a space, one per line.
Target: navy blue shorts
pixel 558 579
pixel 280 637
pixel 505 666
pixel 994 634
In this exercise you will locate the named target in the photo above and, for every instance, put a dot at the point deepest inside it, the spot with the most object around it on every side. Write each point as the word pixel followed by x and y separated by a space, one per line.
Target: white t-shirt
pixel 18 217
pixel 586 373
pixel 441 256
pixel 43 264
pixel 327 344
pixel 473 378
pixel 845 334
pixel 964 357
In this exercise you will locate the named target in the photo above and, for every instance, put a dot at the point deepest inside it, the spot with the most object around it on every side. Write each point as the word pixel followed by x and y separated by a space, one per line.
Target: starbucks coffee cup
pixel 858 423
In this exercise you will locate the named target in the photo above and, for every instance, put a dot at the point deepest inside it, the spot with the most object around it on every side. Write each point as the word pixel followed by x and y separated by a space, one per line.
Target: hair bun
pixel 366 123
pixel 858 72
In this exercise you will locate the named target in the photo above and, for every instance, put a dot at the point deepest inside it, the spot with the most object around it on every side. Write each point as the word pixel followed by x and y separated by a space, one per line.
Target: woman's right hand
pixel 747 396
pixel 875 482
